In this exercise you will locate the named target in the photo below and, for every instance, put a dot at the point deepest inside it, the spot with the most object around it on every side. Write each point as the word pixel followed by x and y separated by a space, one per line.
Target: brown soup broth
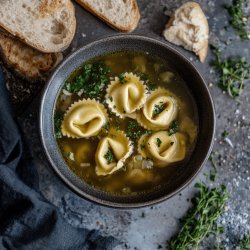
pixel 83 150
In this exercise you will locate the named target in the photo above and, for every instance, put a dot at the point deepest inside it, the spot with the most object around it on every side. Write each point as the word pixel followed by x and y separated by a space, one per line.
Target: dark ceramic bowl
pixel 195 83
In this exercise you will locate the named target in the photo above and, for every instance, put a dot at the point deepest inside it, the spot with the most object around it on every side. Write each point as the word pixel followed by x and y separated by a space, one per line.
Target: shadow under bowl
pixel 195 83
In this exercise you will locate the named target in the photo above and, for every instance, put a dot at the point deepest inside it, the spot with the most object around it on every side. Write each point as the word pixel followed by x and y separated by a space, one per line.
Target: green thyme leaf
pixel 212 160
pixel 233 73
pixel 224 134
pixel 238 18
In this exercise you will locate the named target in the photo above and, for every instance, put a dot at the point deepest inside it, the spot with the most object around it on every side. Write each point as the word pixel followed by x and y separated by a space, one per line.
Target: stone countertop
pixel 150 228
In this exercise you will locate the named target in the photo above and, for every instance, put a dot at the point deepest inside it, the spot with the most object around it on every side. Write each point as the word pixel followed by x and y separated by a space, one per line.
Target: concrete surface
pixel 150 228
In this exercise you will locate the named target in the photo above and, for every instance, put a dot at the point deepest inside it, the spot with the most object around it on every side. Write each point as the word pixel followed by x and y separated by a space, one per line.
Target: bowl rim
pixel 112 204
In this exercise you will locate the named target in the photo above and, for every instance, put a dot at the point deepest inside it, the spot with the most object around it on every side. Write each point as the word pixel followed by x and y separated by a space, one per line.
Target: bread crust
pixel 37 46
pixel 133 24
pixel 27 62
pixel 202 52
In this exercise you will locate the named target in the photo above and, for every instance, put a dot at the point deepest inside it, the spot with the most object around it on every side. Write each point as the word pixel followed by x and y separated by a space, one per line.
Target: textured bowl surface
pixel 194 82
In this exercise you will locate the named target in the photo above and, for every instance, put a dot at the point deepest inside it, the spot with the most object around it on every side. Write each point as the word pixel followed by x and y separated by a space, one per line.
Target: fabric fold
pixel 27 219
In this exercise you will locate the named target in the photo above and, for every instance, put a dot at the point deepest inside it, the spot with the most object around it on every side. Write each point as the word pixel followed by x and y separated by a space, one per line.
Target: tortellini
pixel 126 95
pixel 162 148
pixel 159 110
pixel 83 119
pixel 112 151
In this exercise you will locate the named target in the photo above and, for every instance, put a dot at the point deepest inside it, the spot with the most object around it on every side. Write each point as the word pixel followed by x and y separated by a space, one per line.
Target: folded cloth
pixel 27 219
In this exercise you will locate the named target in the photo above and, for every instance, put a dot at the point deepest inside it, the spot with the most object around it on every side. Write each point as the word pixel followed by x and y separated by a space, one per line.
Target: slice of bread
pixel 188 27
pixel 46 25
pixel 122 15
pixel 26 61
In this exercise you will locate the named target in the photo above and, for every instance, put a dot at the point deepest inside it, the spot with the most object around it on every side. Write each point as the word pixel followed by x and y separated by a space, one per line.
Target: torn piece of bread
pixel 26 61
pixel 122 15
pixel 46 25
pixel 188 27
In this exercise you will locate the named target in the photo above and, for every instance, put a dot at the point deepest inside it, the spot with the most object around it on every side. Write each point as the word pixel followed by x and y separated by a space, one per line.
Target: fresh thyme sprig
pixel 233 73
pixel 201 218
pixel 238 18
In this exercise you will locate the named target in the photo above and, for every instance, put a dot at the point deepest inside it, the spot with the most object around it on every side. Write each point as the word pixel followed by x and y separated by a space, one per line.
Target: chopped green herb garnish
pixel 171 143
pixel 109 156
pixel 233 73
pixel 91 81
pixel 122 78
pixel 174 127
pixel 158 108
pixel 158 142
pixel 200 220
pixel 142 146
pixel 134 131
pixel 238 18
pixel 143 76
pixel 159 246
pixel 57 124
pixel 245 242
pixel 152 86
pixel 111 98
pixel 224 134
